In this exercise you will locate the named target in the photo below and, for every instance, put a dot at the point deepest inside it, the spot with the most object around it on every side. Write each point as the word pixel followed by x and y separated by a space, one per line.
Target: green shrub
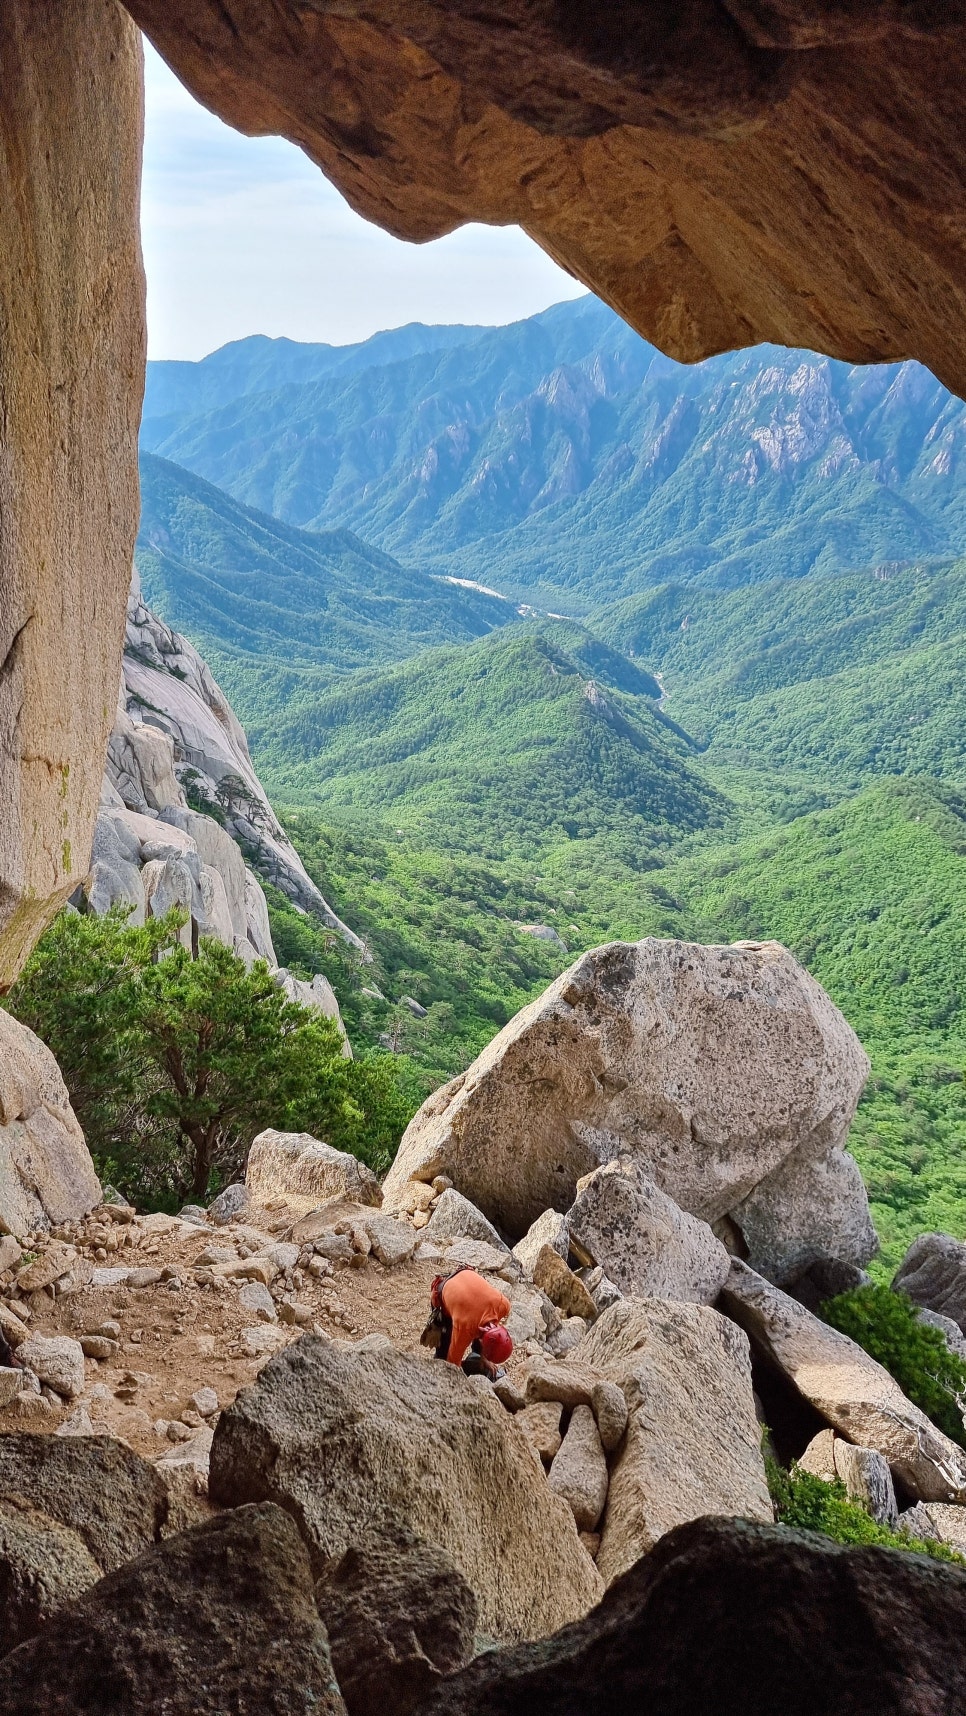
pixel 885 1324
pixel 174 1063
pixel 813 1504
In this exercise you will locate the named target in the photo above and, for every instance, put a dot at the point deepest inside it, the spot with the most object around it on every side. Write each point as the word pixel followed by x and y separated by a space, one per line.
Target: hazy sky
pixel 244 235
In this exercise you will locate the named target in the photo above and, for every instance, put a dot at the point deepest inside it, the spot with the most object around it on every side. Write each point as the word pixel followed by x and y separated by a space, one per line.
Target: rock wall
pixel 787 170
pixel 46 1172
pixel 71 377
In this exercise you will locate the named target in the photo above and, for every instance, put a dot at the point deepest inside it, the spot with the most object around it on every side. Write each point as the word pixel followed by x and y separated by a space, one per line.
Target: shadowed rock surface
pixel 742 1620
pixel 219 1619
pixel 43 1565
pixel 96 1486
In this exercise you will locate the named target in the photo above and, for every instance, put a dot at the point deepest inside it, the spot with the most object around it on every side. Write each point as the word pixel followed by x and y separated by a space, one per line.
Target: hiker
pixel 467 1317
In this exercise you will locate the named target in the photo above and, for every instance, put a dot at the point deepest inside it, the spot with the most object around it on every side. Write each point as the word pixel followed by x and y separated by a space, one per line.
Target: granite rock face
pixel 71 380
pixel 46 1172
pixel 743 1620
pixel 716 1071
pixel 855 1395
pixel 659 158
pixel 363 1439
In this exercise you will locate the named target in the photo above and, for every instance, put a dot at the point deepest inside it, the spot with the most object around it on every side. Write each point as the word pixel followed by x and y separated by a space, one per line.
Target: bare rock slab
pixel 853 1393
pixel 305 1172
pixel 221 1618
pixel 399 1617
pixel 646 1245
pixel 692 1444
pixel 742 1619
pixel 714 1069
pixel 359 1439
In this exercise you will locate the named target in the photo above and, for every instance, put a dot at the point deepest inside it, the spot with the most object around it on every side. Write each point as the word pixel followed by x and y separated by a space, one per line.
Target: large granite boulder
pixel 399 1616
pixel 933 1275
pixel 743 1620
pixel 305 1172
pixel 646 1244
pixel 719 1071
pixel 693 1441
pixel 357 1439
pixel 221 1618
pixel 854 1394
pixel 46 1172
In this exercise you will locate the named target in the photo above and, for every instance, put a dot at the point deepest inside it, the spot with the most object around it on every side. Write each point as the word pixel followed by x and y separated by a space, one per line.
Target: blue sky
pixel 244 235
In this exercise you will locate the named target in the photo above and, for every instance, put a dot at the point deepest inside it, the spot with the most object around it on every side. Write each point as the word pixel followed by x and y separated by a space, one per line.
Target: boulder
pixel 950 1331
pixel 399 1616
pixel 648 1247
pixel 168 886
pixel 94 1486
pixel 565 1383
pixel 184 1471
pixel 693 1441
pixel 12 1380
pixel 43 1565
pixel 610 1411
pixel 742 1619
pixel 548 1229
pixel 813 1208
pixel 853 1393
pixel 540 1423
pixel 391 1240
pixel 579 1471
pixel 933 1274
pixel 306 1172
pixel 57 1260
pixel 221 1618
pixel 941 1521
pixel 868 1480
pixel 819 1457
pixel 456 1218
pixel 474 1254
pixel 362 1438
pixel 46 1173
pixel 57 1360
pixel 709 1067
pixel 229 1204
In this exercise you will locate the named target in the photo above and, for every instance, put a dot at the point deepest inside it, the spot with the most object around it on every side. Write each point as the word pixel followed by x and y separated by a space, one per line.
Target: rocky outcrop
pixel 719 1072
pixel 399 1617
pixel 363 1438
pixel 744 1620
pixel 852 1392
pixel 305 1172
pixel 659 160
pixel 46 1172
pixel 71 378
pixel 648 1246
pixel 933 1274
pixel 693 1442
pixel 220 1618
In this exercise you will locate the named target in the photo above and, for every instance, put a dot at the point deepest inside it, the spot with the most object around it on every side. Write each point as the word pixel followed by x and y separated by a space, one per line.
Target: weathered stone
pixel 579 1470
pixel 456 1218
pixel 304 1171
pixel 98 1346
pixel 56 1261
pixel 477 1254
pixel 147 1276
pixel 97 1487
pixel 255 1297
pixel 707 1067
pixel 46 1173
pixel 57 1360
pixel 563 1382
pixel 391 1240
pixel 262 1269
pixel 933 1274
pixel 810 1209
pixel 399 1616
pixel 220 1618
pixel 548 1229
pixel 940 1521
pixel 856 1396
pixel 354 1438
pixel 819 1456
pixel 540 1424
pixel 693 1442
pixel 43 1565
pixel 12 1328
pixel 230 1203
pixel 610 1411
pixel 950 1331
pixel 744 1620
pixel 648 1247
pixel 569 1335
pixel 562 1286
pixel 11 1382
pixel 184 1471
pixel 205 1402
pixel 11 1252
pixel 868 1480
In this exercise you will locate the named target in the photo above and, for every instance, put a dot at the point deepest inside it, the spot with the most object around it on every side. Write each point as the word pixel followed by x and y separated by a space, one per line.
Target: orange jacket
pixel 470 1302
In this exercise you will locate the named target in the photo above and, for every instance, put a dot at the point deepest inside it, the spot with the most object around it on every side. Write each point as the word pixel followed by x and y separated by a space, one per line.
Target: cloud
pixel 244 235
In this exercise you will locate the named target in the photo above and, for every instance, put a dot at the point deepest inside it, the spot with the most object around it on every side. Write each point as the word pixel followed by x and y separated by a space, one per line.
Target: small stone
pixel 11 1380
pixel 146 1277
pixel 78 1423
pixel 420 1219
pixel 562 1287
pixel 392 1241
pixel 205 1402
pixel 57 1360
pixel 98 1346
pixel 255 1297
pixel 508 1394
pixel 291 1312
pixel 193 1213
pixel 442 1183
pixel 213 1254
pixel 261 1269
pixel 55 1261
pixel 178 1432
pixel 229 1204
pixel 11 1251
pixel 110 1329
pixel 569 1335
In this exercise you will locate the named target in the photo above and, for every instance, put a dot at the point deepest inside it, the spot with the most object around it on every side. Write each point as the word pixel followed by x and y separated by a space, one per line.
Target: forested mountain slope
pixel 564 458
